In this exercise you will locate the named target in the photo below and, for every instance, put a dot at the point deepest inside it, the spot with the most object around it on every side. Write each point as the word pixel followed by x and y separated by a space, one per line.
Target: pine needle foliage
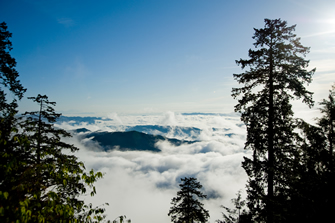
pixel 186 208
pixel 238 214
pixel 276 75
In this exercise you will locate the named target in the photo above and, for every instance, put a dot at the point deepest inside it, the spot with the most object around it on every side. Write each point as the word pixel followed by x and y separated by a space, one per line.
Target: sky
pixel 147 57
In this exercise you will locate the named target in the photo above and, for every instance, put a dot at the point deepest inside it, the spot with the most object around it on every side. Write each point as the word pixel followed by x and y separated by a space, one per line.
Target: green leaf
pixel 5 194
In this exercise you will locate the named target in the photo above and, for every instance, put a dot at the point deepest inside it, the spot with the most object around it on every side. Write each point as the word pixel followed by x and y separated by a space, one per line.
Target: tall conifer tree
pixel 38 181
pixel 56 177
pixel 12 145
pixel 277 73
pixel 8 74
pixel 186 207
pixel 8 80
pixel 327 123
pixel 312 193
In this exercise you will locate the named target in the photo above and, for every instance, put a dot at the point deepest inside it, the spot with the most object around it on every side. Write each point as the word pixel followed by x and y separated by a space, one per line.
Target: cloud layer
pixel 141 185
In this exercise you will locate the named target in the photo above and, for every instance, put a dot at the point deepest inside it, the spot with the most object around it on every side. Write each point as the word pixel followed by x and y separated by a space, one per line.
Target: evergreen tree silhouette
pixel 186 207
pixel 277 73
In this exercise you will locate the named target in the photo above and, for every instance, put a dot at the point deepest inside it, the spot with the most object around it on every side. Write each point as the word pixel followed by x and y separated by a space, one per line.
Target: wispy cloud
pixel 67 22
pixel 319 34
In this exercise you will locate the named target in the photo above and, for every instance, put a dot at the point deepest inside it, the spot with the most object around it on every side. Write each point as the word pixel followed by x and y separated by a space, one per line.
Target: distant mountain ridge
pixel 172 131
pixel 79 119
pixel 128 141
pixel 139 137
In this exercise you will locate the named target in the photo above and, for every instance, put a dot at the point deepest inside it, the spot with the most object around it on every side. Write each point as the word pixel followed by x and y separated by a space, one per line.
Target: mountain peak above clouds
pixel 130 141
pixel 141 133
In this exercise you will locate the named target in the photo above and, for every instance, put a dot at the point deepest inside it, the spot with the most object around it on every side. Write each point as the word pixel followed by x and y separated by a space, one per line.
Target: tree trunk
pixel 270 143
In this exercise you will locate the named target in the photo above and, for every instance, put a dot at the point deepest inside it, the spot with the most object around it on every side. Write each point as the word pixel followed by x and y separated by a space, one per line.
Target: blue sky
pixel 99 57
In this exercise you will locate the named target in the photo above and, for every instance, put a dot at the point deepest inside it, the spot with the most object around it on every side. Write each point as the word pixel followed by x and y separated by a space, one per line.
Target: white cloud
pixel 115 117
pixel 172 119
pixel 141 185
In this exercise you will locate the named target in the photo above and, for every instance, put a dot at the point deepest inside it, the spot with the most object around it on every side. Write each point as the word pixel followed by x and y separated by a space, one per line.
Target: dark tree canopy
pixel 312 193
pixel 276 75
pixel 8 83
pixel 186 207
pixel 8 74
pixel 43 182
pixel 13 146
pixel 39 181
pixel 327 123
pixel 238 214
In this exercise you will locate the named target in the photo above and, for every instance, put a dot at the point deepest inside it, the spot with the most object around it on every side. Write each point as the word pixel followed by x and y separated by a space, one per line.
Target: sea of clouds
pixel 141 184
